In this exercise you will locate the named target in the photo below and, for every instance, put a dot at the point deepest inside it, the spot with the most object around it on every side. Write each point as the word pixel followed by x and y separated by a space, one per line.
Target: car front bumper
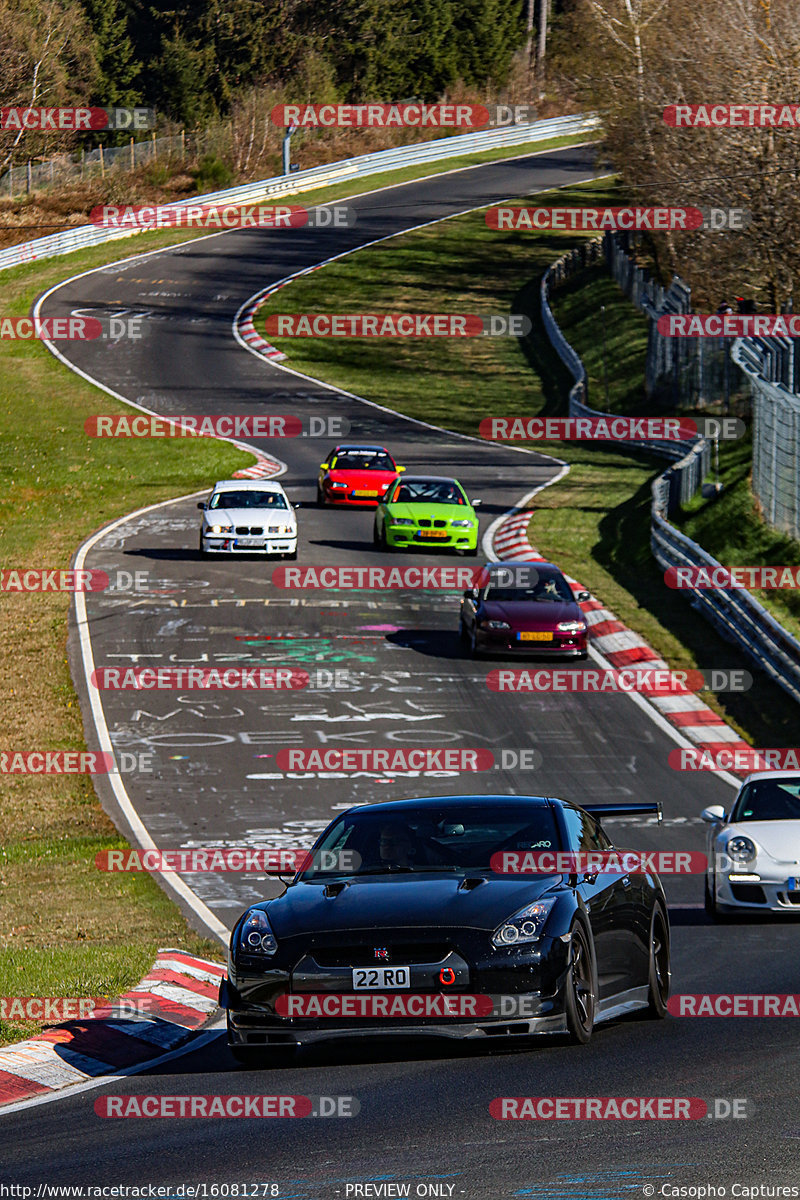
pixel 406 538
pixel 220 544
pixel 767 894
pixel 528 988
pixel 562 645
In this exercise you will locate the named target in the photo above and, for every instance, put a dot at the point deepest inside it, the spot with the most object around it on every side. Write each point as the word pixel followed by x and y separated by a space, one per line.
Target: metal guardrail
pixel 83 236
pixel 737 616
pixel 692 457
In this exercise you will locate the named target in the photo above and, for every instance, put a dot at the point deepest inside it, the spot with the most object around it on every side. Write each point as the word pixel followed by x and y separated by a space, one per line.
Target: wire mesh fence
pixel 68 168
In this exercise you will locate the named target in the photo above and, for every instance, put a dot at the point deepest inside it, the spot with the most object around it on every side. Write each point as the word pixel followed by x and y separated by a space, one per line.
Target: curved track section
pixel 424 1111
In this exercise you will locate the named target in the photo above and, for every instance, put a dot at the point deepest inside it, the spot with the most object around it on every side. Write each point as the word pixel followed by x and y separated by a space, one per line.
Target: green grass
pixel 596 522
pixel 72 971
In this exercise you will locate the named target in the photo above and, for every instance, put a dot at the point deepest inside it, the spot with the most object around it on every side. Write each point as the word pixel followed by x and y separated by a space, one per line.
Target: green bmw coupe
pixel 426 510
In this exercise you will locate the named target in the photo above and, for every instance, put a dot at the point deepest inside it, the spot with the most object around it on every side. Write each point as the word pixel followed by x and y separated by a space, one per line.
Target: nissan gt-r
pixel 402 902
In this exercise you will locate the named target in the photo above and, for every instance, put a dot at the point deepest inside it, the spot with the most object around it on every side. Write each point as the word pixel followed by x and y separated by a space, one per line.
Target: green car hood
pixel 436 512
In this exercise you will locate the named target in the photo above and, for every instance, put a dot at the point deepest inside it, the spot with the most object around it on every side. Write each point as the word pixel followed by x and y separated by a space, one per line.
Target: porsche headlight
pixel 402 521
pixel 220 529
pixel 571 626
pixel 526 925
pixel 741 849
pixel 256 936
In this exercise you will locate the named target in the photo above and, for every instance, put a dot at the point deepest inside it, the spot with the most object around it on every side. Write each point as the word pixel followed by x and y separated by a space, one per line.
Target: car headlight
pixel 495 625
pixel 220 529
pixel 336 485
pixel 281 529
pixel 526 925
pixel 402 521
pixel 462 524
pixel 571 626
pixel 256 936
pixel 741 849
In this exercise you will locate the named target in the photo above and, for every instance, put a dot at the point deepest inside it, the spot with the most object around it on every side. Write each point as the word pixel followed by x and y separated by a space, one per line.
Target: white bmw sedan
pixel 754 849
pixel 247 516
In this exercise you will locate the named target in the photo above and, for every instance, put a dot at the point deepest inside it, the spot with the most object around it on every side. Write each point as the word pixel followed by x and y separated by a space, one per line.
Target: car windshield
pixel 448 838
pixel 247 498
pixel 429 491
pixel 553 587
pixel 768 800
pixel 363 460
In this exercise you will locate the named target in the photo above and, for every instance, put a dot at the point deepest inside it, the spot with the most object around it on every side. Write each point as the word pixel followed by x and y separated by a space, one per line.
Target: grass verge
pixel 595 522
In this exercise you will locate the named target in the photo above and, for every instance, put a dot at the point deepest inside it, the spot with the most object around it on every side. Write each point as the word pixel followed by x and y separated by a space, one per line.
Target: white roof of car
pixel 771 775
pixel 259 485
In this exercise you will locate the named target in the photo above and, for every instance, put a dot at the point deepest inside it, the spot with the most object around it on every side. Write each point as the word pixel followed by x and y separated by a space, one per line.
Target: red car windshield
pixel 554 588
pixel 363 462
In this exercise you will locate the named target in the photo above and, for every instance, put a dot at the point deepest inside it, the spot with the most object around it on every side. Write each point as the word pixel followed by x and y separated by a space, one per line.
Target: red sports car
pixel 356 475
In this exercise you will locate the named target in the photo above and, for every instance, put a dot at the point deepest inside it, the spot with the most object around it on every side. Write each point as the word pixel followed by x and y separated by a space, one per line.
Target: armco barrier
pixel 692 458
pixel 283 185
pixel 737 616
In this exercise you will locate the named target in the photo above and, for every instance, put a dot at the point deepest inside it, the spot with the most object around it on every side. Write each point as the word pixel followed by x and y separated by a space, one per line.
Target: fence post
pixel 183 143
pixel 102 163
pixel 133 156
pixel 29 178
pixel 155 152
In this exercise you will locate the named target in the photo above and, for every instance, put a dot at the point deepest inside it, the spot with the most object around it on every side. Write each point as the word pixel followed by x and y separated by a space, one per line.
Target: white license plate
pixel 250 541
pixel 380 978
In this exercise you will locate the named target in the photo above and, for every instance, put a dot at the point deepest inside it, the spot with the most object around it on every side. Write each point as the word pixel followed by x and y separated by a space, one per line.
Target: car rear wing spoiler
pixel 598 811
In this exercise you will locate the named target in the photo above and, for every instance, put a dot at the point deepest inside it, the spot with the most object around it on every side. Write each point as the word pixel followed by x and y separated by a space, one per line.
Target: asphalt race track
pixel 424 1109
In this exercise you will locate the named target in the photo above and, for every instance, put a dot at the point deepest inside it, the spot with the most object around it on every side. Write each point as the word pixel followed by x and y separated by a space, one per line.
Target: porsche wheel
pixel 580 987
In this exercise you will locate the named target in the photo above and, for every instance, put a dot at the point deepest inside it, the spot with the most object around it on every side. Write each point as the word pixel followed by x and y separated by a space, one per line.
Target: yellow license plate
pixel 433 533
pixel 535 637
pixel 363 493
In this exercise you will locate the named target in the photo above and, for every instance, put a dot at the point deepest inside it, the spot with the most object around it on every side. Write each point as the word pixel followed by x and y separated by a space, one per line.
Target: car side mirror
pixel 582 597
pixel 202 504
pixel 296 503
pixel 324 466
pixel 715 813
pixel 476 503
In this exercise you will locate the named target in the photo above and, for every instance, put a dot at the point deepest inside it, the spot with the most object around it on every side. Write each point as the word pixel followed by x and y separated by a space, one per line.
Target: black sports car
pixel 411 931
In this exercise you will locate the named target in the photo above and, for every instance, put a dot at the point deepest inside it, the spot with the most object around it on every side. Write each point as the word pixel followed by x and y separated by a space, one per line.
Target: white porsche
pixel 248 516
pixel 754 848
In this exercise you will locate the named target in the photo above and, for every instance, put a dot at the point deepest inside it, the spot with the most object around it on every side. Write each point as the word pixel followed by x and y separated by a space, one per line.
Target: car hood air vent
pixel 470 882
pixel 332 890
